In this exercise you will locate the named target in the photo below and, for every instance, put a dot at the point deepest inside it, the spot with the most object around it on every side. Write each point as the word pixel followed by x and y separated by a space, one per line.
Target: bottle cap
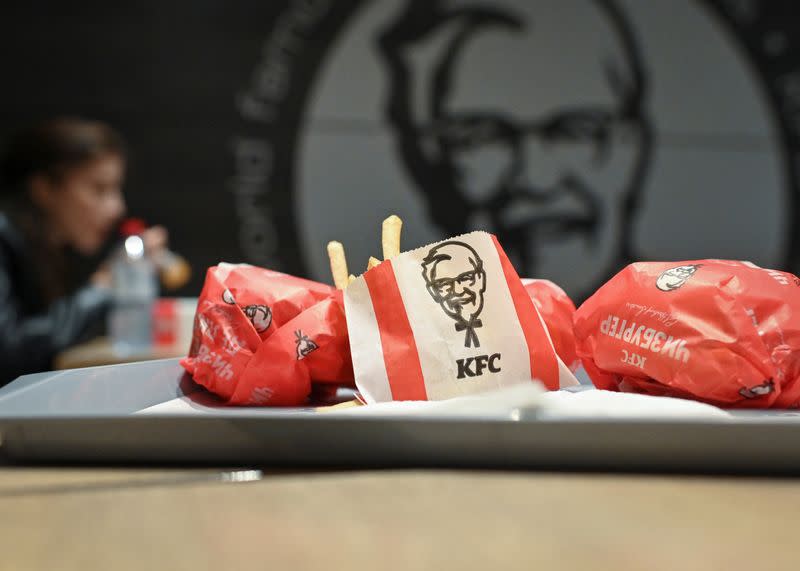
pixel 132 227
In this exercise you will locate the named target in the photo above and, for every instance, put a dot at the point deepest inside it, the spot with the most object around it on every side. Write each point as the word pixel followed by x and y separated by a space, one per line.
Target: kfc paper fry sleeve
pixel 449 319
pixel 719 331
pixel 558 311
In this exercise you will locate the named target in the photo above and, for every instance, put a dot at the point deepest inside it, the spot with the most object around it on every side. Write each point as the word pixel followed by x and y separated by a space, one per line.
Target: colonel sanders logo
pixel 564 127
pixel 554 178
pixel 456 280
pixel 765 388
pixel 259 315
pixel 674 278
pixel 304 345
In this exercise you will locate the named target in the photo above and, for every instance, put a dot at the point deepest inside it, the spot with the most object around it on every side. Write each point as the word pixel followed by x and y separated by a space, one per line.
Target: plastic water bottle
pixel 135 289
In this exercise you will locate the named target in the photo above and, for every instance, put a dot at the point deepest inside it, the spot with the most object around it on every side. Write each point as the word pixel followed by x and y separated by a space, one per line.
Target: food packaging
pixel 445 320
pixel 262 337
pixel 723 332
pixel 557 310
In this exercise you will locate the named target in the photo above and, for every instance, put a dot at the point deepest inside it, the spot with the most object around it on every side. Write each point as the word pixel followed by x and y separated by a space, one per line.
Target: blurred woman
pixel 61 195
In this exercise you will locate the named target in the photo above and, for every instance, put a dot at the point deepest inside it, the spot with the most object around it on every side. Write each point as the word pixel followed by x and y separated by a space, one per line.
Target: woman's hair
pixel 52 148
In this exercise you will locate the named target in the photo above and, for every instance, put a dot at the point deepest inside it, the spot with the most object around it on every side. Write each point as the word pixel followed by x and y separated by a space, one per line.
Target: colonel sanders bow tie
pixel 471 339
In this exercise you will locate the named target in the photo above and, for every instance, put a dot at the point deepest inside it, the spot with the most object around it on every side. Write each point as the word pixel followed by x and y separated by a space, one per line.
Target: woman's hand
pixel 155 245
pixel 155 241
pixel 173 270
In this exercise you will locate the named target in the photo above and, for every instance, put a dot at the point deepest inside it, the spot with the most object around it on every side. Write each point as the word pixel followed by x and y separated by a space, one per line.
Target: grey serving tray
pixel 88 416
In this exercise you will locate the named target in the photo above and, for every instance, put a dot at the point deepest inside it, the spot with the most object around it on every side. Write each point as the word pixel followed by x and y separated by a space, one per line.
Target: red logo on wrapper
pixel 718 331
pixel 262 337
pixel 446 320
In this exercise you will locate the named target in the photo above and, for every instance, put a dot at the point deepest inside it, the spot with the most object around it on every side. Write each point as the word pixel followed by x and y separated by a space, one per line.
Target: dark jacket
pixel 33 332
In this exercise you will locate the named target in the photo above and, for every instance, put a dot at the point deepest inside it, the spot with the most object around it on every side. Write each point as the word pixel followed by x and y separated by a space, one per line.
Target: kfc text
pixel 481 362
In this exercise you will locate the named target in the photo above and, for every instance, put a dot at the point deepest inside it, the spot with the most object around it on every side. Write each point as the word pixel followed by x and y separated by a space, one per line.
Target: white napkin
pixel 528 399
pixel 593 403
pixel 531 398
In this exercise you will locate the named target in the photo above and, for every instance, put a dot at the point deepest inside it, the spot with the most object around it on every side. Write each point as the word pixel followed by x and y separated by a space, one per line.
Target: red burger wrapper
pixel 262 337
pixel 719 331
pixel 557 311
pixel 449 319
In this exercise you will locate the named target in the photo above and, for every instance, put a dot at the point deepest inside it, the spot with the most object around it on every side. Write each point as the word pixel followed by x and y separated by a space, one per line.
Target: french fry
pixel 390 237
pixel 340 406
pixel 390 241
pixel 338 264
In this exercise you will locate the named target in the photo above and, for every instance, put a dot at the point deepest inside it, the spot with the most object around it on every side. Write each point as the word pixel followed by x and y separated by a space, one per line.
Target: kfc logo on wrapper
pixel 456 280
pixel 304 345
pixel 259 315
pixel 765 388
pixel 674 278
pixel 403 341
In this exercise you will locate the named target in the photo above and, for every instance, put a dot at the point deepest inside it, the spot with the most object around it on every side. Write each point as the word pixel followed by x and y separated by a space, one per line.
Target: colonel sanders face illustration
pixel 551 170
pixel 456 280
pixel 675 277
pixel 260 316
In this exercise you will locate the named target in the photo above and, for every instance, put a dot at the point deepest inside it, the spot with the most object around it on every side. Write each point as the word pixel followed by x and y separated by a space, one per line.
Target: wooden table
pixel 100 352
pixel 189 519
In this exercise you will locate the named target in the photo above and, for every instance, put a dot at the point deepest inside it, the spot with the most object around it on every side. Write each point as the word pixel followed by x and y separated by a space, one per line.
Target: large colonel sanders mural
pixel 583 133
